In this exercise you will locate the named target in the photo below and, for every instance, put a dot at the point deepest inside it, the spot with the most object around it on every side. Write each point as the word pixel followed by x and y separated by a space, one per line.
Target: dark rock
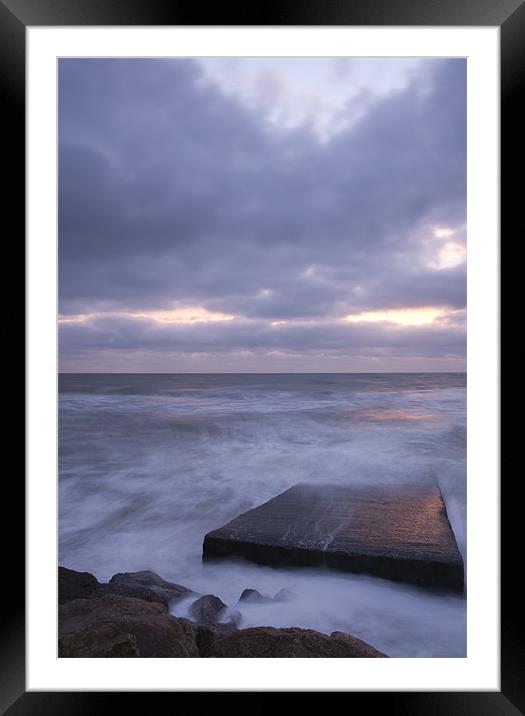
pixel 122 626
pixel 82 585
pixel 399 533
pixel 105 641
pixel 77 585
pixel 206 634
pixel 137 592
pixel 231 616
pixel 362 649
pixel 252 596
pixel 208 609
pixel 167 591
pixel 267 642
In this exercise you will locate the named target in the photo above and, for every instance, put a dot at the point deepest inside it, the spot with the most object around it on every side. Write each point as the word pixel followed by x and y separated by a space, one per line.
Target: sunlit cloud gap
pixel 443 232
pixel 402 317
pixel 183 315
pixel 450 255
pixel 189 316
pixel 177 315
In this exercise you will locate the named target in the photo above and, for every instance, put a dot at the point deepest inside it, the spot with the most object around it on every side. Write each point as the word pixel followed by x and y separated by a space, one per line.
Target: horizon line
pixel 358 372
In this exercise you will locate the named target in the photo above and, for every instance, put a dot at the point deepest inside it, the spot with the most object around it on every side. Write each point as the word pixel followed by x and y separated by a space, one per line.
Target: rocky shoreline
pixel 129 617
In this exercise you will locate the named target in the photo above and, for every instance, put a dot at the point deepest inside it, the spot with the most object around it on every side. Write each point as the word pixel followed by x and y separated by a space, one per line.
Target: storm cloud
pixel 175 194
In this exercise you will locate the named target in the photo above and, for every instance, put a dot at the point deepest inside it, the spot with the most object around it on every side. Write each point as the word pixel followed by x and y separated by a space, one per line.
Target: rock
pixel 137 592
pixel 360 647
pixel 206 634
pixel 207 609
pixel 82 585
pixel 122 626
pixel 267 642
pixel 104 642
pixel 77 585
pixel 395 532
pixel 252 596
pixel 231 617
pixel 168 591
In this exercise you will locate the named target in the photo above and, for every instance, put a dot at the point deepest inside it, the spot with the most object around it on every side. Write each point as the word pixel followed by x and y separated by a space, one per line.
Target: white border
pixel 480 671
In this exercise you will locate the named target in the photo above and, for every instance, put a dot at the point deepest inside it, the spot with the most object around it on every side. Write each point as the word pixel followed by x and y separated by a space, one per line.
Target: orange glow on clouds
pixel 443 232
pixel 450 255
pixel 76 318
pixel 400 316
pixel 187 316
pixel 196 314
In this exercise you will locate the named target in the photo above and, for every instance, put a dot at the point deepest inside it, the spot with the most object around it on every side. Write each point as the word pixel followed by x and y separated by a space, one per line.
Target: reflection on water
pixel 382 415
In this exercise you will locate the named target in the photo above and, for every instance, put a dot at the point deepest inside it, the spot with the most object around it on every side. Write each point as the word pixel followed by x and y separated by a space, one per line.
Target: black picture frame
pixel 15 17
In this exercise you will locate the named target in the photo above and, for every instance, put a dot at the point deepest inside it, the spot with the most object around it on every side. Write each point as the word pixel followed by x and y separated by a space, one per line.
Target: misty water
pixel 148 464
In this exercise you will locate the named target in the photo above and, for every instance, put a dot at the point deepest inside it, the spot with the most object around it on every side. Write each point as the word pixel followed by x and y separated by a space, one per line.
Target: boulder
pixel 231 617
pixel 77 585
pixel 361 648
pixel 113 625
pixel 208 609
pixel 166 591
pixel 138 592
pixel 83 585
pixel 104 641
pixel 206 634
pixel 267 642
pixel 397 532
pixel 252 596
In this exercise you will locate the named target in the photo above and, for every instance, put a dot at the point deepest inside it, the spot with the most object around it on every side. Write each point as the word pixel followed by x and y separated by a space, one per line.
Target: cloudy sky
pixel 266 215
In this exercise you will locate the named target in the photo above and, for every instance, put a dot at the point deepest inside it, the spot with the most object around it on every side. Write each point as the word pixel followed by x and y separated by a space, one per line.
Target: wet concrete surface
pixel 397 532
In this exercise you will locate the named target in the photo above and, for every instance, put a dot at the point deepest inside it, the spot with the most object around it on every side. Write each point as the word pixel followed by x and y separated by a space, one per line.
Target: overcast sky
pixel 262 215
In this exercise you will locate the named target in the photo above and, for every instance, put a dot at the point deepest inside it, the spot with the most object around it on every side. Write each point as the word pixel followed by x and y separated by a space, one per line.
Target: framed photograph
pixel 260 425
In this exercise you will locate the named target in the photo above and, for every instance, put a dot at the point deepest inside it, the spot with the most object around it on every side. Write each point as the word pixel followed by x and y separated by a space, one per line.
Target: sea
pixel 149 463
